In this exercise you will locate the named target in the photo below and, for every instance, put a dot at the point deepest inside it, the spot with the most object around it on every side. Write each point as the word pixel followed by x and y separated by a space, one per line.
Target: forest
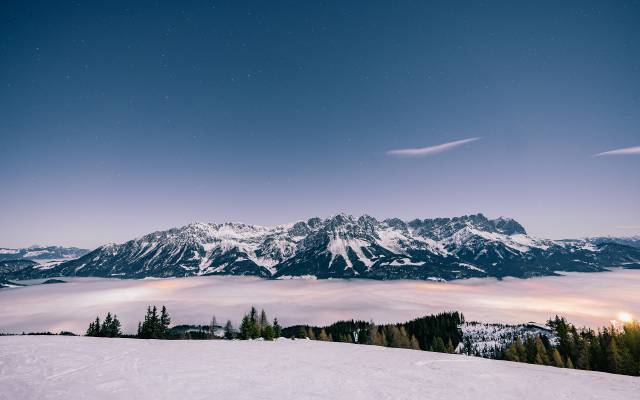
pixel 614 350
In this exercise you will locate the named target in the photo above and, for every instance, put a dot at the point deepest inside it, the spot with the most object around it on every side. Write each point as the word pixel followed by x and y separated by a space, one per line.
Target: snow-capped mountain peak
pixel 344 246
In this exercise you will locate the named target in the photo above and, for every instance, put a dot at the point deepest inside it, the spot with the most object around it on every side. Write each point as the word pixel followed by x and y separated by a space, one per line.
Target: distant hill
pixel 42 253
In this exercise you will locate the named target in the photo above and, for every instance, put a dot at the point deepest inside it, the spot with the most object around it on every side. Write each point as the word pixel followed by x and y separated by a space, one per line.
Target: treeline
pixel 156 325
pixel 254 326
pixel 434 333
pixel 109 328
pixel 608 350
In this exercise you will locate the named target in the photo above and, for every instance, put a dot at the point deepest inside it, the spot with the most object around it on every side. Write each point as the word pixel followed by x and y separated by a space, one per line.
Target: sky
pixel 118 119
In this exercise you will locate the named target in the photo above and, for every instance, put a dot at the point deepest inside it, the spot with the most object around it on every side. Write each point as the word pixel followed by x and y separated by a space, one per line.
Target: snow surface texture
pixel 585 299
pixel 98 368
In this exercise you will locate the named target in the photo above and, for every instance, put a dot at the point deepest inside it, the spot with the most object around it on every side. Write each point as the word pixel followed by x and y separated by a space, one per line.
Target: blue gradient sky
pixel 119 119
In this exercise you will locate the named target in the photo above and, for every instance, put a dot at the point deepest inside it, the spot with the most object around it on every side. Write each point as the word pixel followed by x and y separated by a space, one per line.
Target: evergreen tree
pixel 397 337
pixel 415 345
pixel 116 327
pixel 438 345
pixel 372 332
pixel 556 359
pixel 267 332
pixel 568 363
pixel 450 348
pixel 323 336
pixel 511 353
pixel 228 330
pixel 310 334
pixel 302 333
pixel 541 352
pixel 374 337
pixel 277 329
pixel 613 357
pixel 521 350
pixel 154 326
pixel 165 321
pixel 105 329
pixel 212 326
pixel 262 322
pixel 246 328
pixel 583 358
pixel 94 328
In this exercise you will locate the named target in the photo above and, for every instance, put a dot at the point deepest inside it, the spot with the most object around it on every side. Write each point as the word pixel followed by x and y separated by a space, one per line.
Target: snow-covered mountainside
pixel 42 253
pixel 345 247
pixel 633 241
pixel 59 367
pixel 484 339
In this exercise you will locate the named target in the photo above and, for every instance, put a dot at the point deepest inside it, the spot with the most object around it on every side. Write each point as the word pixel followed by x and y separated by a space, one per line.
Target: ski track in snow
pixel 43 367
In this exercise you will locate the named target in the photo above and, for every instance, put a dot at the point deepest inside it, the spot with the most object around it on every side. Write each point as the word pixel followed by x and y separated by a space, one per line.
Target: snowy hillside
pixel 343 246
pixel 43 367
pixel 483 339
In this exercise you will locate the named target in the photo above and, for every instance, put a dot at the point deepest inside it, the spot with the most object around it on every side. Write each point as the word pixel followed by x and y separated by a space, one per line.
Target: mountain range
pixel 343 246
pixel 37 252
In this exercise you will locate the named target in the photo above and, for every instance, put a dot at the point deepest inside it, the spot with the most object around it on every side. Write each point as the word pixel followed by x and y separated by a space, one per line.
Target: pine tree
pixel 105 330
pixel 450 348
pixel 263 322
pixel 568 363
pixel 267 332
pixel 212 326
pixel 374 337
pixel 541 351
pixel 154 326
pixel 94 328
pixel 583 358
pixel 228 330
pixel 245 328
pixel 414 343
pixel 116 330
pixel 310 334
pixel 521 351
pixel 323 336
pixel 556 359
pixel 165 321
pixel 438 345
pixel 302 333
pixel 511 353
pixel 613 357
pixel 277 329
pixel 397 337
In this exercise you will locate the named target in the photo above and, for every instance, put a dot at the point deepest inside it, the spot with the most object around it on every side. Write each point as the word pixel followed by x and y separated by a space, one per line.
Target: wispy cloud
pixel 620 152
pixel 428 151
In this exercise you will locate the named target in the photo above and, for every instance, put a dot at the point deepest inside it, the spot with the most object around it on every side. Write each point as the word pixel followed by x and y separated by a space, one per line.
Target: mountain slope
pixel 343 246
pixel 42 253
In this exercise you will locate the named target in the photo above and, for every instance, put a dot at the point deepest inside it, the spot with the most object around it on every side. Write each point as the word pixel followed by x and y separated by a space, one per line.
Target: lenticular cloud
pixel 621 152
pixel 431 150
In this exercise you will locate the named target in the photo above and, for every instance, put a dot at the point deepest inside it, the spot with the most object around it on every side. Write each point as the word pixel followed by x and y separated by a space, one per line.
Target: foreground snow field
pixel 41 367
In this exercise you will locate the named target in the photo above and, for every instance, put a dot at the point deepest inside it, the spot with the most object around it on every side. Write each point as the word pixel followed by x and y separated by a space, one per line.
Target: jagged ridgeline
pixel 344 246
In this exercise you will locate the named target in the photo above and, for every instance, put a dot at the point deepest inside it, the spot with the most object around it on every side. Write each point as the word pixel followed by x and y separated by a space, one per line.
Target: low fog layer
pixel 592 299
